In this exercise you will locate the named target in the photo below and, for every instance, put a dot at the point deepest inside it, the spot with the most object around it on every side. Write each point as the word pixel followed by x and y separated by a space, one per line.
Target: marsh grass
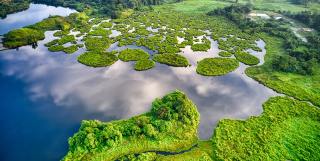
pixel 133 55
pixel 216 66
pixel 97 59
pixel 175 60
pixel 246 58
pixel 146 64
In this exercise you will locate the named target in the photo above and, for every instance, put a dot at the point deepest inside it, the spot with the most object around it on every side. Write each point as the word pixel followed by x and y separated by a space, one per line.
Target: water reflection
pixel 35 13
pixel 63 92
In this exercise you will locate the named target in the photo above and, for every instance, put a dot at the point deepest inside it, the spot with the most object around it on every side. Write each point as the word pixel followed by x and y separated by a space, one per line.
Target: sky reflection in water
pixel 34 14
pixel 60 92
pixel 120 92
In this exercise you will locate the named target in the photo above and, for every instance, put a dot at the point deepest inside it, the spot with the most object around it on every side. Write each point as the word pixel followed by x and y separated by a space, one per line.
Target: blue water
pixel 44 96
pixel 35 13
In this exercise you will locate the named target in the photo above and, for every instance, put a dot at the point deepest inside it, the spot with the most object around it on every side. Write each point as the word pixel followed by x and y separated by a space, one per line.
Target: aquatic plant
pixel 144 65
pixel 175 60
pixel 246 58
pixel 216 66
pixel 71 49
pixel 20 37
pixel 56 48
pixel 97 59
pixel 225 54
pixel 286 130
pixel 170 126
pixel 133 55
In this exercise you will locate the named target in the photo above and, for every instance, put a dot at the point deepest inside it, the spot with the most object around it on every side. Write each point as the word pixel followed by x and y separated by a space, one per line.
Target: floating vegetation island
pixel 171 126
pixel 216 66
pixel 164 33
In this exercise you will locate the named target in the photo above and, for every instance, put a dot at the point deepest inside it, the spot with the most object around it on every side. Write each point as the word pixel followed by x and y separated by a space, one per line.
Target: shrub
pixel 133 55
pixel 71 49
pixel 21 37
pixel 144 65
pixel 56 48
pixel 175 60
pixel 246 58
pixel 216 66
pixel 225 54
pixel 97 59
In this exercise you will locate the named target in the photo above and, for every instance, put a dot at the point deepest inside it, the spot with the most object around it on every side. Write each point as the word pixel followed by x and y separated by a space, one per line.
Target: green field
pixel 204 6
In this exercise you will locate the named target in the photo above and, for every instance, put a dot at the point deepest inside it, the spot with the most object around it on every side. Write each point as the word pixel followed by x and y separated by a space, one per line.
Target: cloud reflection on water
pixel 35 13
pixel 120 92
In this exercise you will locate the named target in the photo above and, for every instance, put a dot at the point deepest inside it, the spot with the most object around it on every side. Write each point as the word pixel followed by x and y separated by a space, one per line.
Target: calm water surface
pixel 44 96
pixel 34 14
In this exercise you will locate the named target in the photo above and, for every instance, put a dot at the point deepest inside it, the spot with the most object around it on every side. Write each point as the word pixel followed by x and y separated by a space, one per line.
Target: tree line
pixel 301 57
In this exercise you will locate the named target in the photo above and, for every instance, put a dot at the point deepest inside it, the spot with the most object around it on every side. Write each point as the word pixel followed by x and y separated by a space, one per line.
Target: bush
pixel 56 48
pixel 97 59
pixel 97 140
pixel 216 66
pixel 175 60
pixel 144 65
pixel 21 37
pixel 225 54
pixel 133 55
pixel 71 49
pixel 246 58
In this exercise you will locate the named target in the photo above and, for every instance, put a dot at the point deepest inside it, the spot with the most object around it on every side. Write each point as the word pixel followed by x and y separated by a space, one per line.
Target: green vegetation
pixel 204 46
pixel 56 48
pixel 97 44
pixel 11 6
pixel 144 65
pixel 71 49
pixel 216 66
pixel 225 54
pixel 202 152
pixel 287 130
pixel 133 55
pixel 33 33
pixel 246 58
pixel 301 87
pixel 175 60
pixel 51 43
pixel 170 126
pixel 97 59
pixel 67 39
pixel 106 24
pixel 100 32
pixel 20 37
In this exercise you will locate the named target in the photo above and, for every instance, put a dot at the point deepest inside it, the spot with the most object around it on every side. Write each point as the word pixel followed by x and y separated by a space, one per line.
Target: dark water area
pixel 45 95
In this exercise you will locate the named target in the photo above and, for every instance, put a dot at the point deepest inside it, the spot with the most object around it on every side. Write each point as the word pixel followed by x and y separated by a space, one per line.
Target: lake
pixel 44 95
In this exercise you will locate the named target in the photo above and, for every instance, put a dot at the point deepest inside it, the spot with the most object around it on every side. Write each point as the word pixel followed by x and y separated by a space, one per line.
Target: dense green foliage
pixel 175 60
pixel 306 88
pixel 246 58
pixel 216 66
pixel 11 6
pixel 287 130
pixel 97 59
pixel 23 36
pixel 71 49
pixel 204 46
pixel 225 54
pixel 111 8
pixel 33 33
pixel 133 55
pixel 302 57
pixel 144 65
pixel 171 125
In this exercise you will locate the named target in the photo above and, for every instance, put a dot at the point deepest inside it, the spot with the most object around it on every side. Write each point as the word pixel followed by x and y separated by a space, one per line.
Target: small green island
pixel 276 44
pixel 216 66
pixel 287 129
